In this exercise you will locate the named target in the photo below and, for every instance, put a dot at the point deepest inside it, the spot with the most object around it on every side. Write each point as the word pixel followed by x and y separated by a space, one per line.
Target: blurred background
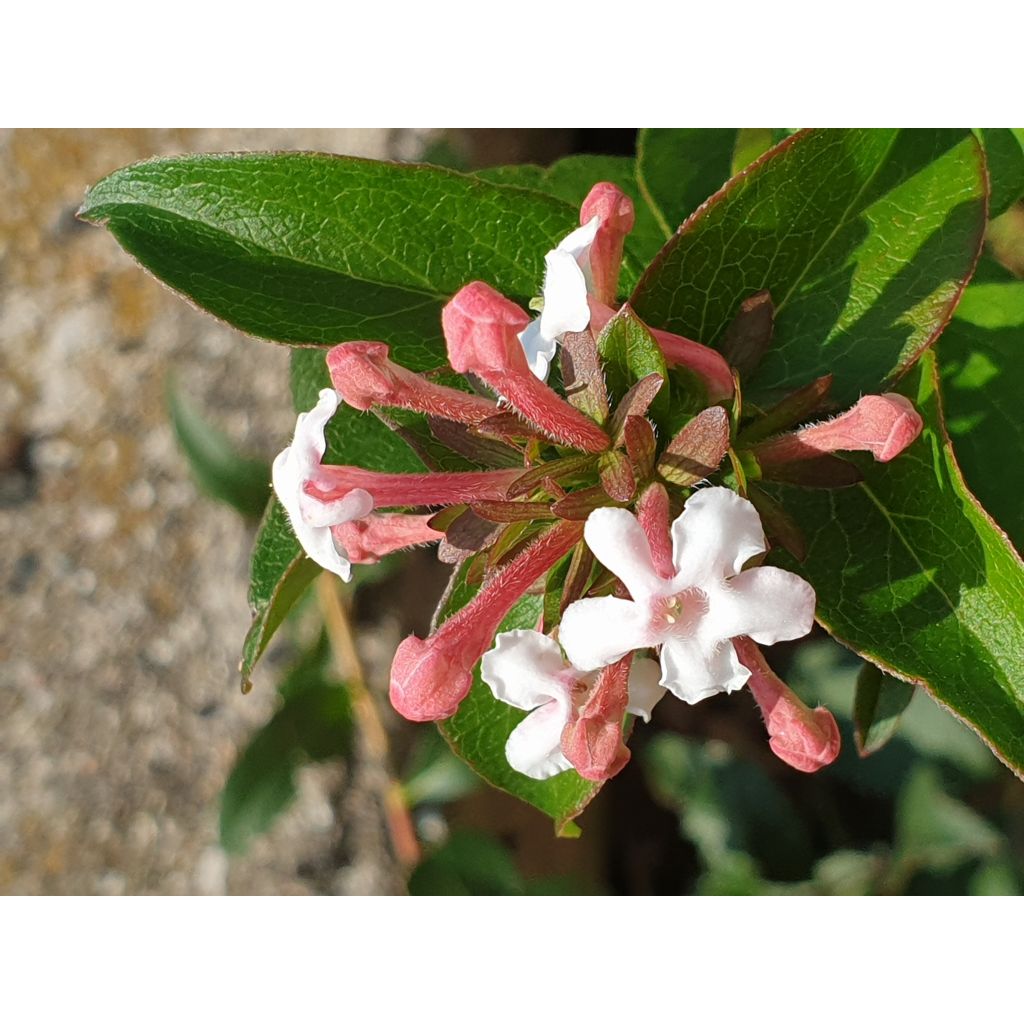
pixel 135 435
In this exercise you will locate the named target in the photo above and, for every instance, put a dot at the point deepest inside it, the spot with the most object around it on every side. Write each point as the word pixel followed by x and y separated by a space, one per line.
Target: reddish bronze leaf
pixel 698 449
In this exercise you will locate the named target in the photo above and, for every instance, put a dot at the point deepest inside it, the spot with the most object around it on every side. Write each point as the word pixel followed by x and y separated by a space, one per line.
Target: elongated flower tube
pixel 709 600
pixel 481 327
pixel 616 217
pixel 705 362
pixel 333 483
pixel 364 375
pixel 884 425
pixel 575 718
pixel 805 739
pixel 429 678
pixel 366 541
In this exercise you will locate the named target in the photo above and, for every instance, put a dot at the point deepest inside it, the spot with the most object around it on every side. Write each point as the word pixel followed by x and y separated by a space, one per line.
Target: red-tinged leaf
pixel 793 409
pixel 641 445
pixel 617 476
pixel 697 450
pixel 779 526
pixel 581 567
pixel 580 504
pixel 561 469
pixel 827 472
pixel 749 336
pixel 512 511
pixel 635 402
pixel 507 427
pixel 583 375
pixel 482 451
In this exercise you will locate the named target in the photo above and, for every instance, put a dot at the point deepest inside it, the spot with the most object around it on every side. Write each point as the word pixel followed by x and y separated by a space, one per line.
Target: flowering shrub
pixel 635 495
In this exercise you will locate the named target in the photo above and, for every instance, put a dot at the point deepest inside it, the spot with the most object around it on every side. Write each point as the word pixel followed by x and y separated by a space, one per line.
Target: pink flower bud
pixel 429 678
pixel 481 328
pixel 331 483
pixel 805 739
pixel 364 376
pixel 705 362
pixel 592 738
pixel 881 424
pixel 615 211
pixel 366 541
pixel 653 514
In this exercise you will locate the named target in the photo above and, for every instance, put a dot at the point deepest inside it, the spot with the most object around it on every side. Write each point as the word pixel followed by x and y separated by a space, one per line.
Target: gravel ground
pixel 123 589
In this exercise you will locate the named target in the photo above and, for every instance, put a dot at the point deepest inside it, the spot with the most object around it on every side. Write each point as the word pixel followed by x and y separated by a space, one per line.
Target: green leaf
pixel 630 354
pixel 913 575
pixel 678 168
pixel 480 728
pixel 313 249
pixel 863 237
pixel 877 705
pixel 1004 148
pixel 220 470
pixel 313 724
pixel 469 864
pixel 278 576
pixel 436 775
pixel 981 357
pixel 573 177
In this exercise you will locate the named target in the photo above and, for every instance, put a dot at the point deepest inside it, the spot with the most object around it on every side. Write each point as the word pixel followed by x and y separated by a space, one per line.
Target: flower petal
pixel 620 544
pixel 577 242
pixel 693 672
pixel 539 349
pixel 523 669
pixel 765 603
pixel 599 630
pixel 535 745
pixel 565 295
pixel 644 688
pixel 717 532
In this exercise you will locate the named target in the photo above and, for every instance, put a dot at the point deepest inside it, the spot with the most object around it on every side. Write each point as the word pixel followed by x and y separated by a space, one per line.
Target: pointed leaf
pixel 1004 148
pixel 583 375
pixel 864 237
pixel 913 575
pixel 617 476
pixel 749 336
pixel 698 449
pixel 630 354
pixel 877 705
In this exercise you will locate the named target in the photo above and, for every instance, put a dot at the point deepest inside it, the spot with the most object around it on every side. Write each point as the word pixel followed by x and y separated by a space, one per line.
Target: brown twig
pixel 346 657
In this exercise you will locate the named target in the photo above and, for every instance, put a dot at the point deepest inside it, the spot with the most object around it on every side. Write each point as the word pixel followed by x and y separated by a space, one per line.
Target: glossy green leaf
pixel 679 168
pixel 481 727
pixel 279 574
pixel 630 354
pixel 220 469
pixel 313 723
pixel 313 249
pixel 981 357
pixel 1004 148
pixel 863 237
pixel 878 703
pixel 573 177
pixel 912 574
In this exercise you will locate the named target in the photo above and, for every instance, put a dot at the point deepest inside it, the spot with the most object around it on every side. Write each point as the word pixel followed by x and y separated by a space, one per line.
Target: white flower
pixel 694 615
pixel 567 280
pixel 312 519
pixel 526 669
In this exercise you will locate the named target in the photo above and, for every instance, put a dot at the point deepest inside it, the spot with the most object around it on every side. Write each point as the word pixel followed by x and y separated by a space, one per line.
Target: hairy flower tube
pixel 631 528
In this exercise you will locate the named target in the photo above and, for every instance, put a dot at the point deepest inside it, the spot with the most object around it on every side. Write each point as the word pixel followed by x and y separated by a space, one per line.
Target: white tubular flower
pixel 694 615
pixel 526 669
pixel 312 519
pixel 567 281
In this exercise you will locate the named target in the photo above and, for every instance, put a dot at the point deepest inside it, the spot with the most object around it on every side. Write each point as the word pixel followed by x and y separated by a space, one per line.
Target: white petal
pixel 310 518
pixel 765 603
pixel 526 669
pixel 692 672
pixel 578 242
pixel 717 532
pixel 644 688
pixel 565 296
pixel 620 544
pixel 539 349
pixel 599 630
pixel 535 745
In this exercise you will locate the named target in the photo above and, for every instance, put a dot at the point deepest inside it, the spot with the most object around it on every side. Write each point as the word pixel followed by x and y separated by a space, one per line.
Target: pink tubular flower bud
pixel 429 678
pixel 806 740
pixel 705 362
pixel 482 329
pixel 884 425
pixel 363 374
pixel 615 211
pixel 592 738
pixel 332 483
pixel 653 514
pixel 366 541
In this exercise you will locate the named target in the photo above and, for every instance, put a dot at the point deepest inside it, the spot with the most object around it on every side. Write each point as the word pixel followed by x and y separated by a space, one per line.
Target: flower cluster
pixel 648 551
